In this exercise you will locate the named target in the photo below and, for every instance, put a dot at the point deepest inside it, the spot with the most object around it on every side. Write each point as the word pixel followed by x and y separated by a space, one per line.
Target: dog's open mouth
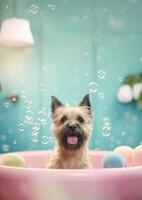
pixel 72 139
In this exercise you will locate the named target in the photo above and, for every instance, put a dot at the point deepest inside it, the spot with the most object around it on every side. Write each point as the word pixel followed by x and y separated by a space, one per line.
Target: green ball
pixel 14 161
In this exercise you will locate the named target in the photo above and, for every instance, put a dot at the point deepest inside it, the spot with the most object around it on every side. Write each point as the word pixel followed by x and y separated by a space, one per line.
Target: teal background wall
pixel 81 46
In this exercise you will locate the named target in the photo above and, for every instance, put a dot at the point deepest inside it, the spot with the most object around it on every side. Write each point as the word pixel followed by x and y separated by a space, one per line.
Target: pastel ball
pixel 13 161
pixel 138 155
pixel 127 152
pixel 113 160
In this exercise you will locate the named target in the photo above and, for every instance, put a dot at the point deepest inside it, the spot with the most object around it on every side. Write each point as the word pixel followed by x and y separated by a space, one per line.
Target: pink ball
pixel 138 155
pixel 127 152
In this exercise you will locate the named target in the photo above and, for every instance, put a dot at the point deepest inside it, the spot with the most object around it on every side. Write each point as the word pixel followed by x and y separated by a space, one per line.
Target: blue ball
pixel 113 160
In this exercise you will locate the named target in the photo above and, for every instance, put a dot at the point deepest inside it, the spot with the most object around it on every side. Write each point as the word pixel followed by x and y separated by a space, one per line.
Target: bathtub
pixel 38 183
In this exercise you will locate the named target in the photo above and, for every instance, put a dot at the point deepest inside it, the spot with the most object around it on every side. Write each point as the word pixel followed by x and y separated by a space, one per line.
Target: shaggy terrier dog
pixel 72 128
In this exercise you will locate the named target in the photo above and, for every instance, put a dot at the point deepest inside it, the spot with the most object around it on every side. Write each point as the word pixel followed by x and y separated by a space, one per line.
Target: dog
pixel 72 128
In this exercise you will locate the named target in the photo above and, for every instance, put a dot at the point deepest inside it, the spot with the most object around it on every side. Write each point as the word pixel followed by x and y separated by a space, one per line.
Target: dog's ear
pixel 55 103
pixel 86 102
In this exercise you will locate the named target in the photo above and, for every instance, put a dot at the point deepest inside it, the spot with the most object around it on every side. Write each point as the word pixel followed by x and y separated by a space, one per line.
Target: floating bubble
pixel 123 133
pixel 43 87
pixel 23 94
pixel 118 142
pixel 101 74
pixel 2 137
pixel 14 141
pixel 51 139
pixel 101 95
pixel 28 117
pixel 21 127
pixel 52 6
pixel 120 78
pixel 35 128
pixel 93 87
pixel 34 8
pixel 106 131
pixel 5 147
pixel 42 117
pixel 28 104
pixel 44 140
pixel 34 138
pixel 106 119
pixel 6 104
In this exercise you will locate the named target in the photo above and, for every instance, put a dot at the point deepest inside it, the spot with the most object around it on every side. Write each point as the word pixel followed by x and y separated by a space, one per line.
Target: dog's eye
pixel 63 119
pixel 80 119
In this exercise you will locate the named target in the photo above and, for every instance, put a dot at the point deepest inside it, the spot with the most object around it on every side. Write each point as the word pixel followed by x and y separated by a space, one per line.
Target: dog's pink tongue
pixel 72 140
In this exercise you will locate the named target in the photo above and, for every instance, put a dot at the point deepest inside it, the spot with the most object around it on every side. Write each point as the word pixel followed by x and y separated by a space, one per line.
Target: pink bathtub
pixel 38 183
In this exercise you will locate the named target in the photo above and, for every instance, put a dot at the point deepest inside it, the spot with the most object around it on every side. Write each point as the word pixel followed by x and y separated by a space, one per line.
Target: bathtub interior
pixel 39 159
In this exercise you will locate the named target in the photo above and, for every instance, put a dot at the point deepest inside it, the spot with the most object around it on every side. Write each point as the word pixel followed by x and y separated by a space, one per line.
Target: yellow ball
pixel 13 160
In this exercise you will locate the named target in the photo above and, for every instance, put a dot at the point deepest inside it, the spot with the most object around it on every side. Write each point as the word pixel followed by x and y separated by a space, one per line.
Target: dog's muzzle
pixel 72 138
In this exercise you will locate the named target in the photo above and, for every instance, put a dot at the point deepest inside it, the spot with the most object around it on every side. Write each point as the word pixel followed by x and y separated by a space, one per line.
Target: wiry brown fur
pixel 71 159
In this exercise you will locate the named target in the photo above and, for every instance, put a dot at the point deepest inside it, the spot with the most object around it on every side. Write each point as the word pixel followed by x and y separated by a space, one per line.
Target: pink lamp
pixel 16 32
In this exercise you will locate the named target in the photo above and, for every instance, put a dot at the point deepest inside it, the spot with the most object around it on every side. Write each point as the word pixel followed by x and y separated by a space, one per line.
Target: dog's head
pixel 71 125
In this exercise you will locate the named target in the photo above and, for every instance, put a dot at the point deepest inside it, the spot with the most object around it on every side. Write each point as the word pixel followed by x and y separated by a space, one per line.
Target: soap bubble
pixel 34 138
pixel 36 127
pixel 2 137
pixel 28 117
pixel 101 95
pixel 5 147
pixel 34 8
pixel 43 87
pixel 118 142
pixel 106 131
pixel 120 78
pixel 42 117
pixel 23 94
pixel 93 87
pixel 52 6
pixel 123 133
pixel 101 74
pixel 21 127
pixel 44 140
pixel 14 141
pixel 28 104
pixel 6 104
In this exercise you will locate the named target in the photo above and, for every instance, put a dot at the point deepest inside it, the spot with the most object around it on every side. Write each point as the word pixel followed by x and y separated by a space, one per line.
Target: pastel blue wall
pixel 81 46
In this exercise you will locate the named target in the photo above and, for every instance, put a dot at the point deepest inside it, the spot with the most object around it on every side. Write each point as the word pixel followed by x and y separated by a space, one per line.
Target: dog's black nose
pixel 72 128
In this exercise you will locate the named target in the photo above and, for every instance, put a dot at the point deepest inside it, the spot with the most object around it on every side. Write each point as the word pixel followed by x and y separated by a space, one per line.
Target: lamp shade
pixel 16 32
